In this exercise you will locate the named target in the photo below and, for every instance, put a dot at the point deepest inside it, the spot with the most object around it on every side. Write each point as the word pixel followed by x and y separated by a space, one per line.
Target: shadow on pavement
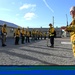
pixel 26 57
pixel 47 54
pixel 48 48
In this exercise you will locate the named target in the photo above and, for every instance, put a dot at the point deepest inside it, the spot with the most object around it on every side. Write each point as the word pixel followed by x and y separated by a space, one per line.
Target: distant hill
pixel 8 24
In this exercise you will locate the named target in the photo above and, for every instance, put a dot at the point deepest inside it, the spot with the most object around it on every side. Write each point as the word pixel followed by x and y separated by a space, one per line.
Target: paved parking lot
pixel 37 53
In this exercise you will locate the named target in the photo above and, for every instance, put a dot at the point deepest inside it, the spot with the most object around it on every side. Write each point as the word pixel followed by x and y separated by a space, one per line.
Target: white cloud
pixel 48 6
pixel 29 16
pixel 26 6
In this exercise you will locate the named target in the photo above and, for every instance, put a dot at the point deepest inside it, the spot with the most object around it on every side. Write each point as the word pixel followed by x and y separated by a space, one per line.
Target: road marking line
pixel 66 43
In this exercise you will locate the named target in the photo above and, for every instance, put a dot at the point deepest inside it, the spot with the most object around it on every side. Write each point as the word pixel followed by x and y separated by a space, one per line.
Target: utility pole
pixel 67 19
pixel 53 21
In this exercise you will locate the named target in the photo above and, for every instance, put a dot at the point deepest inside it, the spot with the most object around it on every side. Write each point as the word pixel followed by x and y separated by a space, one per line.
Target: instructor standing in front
pixel 51 34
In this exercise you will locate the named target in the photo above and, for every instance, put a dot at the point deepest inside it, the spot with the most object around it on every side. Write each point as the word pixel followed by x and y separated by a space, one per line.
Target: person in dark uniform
pixel 3 34
pixel 51 34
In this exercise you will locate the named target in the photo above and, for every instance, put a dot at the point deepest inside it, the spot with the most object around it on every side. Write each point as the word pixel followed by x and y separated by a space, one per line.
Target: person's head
pixel 4 25
pixel 33 29
pixel 18 28
pixel 26 29
pixel 72 11
pixel 22 28
pixel 50 25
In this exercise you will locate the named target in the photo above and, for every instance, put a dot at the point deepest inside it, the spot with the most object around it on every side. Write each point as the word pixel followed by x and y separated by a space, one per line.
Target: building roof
pixel 8 24
pixel 43 29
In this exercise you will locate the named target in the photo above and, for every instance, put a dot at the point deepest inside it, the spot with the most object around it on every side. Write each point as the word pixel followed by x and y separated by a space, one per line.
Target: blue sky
pixel 36 13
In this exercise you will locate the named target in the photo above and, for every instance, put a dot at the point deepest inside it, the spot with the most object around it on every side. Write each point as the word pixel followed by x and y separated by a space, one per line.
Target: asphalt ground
pixel 37 53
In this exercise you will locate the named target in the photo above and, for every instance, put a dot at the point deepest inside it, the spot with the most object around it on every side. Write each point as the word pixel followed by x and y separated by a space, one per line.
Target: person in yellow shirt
pixel 41 35
pixel 4 34
pixel 17 36
pixel 22 36
pixel 38 35
pixel 71 29
pixel 27 36
pixel 44 35
pixel 51 34
pixel 33 35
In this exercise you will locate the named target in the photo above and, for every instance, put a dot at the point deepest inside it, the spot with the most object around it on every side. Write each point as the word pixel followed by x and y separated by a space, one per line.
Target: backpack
pixel 54 33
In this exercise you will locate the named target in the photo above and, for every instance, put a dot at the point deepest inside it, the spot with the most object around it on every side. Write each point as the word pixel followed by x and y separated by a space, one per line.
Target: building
pixel 58 31
pixel 10 28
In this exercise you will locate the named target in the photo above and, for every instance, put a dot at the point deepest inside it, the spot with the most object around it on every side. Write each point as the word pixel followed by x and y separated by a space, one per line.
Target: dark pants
pixel 38 37
pixel 52 40
pixel 16 40
pixel 22 39
pixel 41 37
pixel 27 39
pixel 3 39
pixel 45 38
pixel 33 37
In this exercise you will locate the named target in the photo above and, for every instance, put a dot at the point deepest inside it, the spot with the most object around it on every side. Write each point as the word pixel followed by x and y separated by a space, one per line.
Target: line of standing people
pixel 22 34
